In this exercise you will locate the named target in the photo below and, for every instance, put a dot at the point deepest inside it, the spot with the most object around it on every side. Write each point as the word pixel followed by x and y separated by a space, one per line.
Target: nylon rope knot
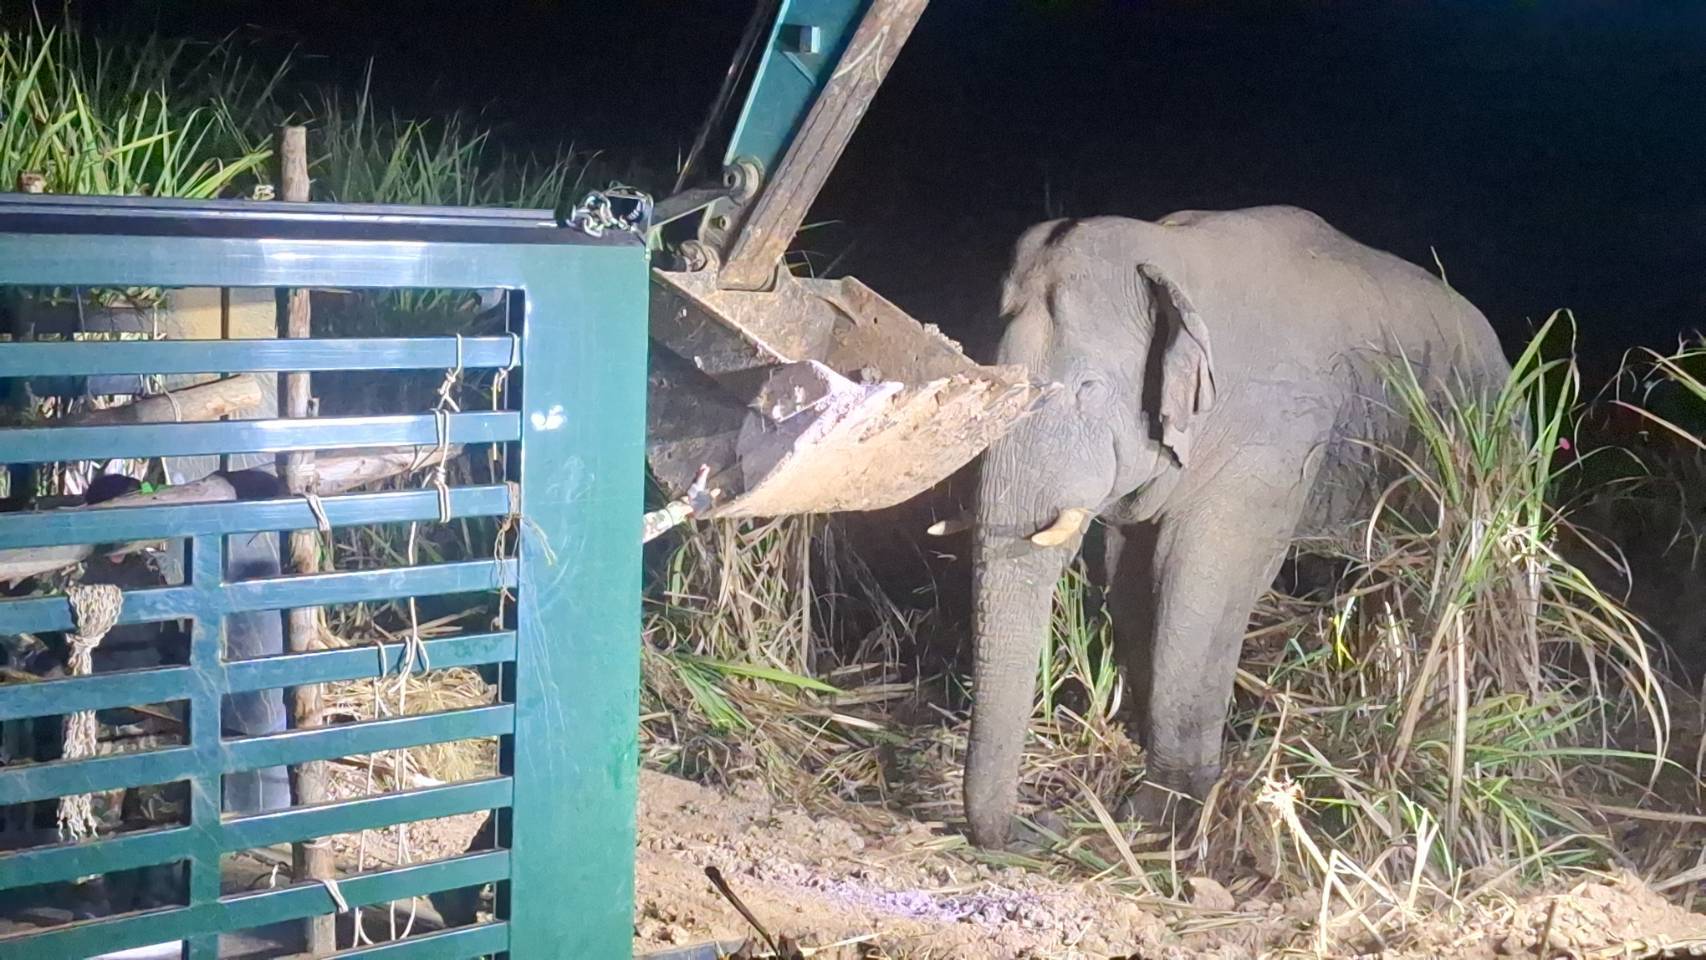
pixel 95 609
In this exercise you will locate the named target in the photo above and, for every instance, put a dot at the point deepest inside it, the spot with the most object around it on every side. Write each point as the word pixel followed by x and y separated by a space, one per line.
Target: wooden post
pixel 312 860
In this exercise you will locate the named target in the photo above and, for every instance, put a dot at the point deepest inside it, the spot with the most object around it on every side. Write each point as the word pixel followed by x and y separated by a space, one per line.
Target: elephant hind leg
pixel 1212 562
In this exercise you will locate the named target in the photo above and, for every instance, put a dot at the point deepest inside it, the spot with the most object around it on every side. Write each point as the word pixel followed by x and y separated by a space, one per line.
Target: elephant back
pixel 1304 301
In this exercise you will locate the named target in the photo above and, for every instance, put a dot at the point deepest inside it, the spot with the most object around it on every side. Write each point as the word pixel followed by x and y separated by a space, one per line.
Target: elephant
pixel 1211 374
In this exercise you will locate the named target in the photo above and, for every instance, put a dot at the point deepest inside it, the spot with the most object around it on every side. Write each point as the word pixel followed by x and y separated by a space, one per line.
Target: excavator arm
pixel 787 394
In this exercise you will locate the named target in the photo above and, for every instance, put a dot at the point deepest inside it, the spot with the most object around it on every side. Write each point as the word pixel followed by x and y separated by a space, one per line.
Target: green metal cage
pixel 573 435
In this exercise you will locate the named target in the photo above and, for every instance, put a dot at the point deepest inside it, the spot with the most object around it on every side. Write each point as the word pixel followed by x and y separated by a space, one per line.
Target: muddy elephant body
pixel 1215 371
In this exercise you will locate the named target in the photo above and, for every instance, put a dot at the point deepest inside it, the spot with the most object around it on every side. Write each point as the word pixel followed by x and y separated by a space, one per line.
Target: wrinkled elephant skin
pixel 1215 368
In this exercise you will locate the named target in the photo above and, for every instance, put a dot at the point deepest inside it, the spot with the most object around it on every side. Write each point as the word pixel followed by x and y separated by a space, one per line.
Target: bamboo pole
pixel 311 860
pixel 214 400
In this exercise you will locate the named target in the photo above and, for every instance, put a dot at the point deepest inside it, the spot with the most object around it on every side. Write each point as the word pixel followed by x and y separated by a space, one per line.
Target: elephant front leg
pixel 1130 592
pixel 1212 563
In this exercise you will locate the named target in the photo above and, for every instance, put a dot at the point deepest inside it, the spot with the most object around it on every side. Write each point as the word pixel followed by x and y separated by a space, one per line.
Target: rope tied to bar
pixel 95 609
pixel 500 376
pixel 177 408
pixel 500 545
pixel 500 393
pixel 317 507
pixel 336 891
pixel 413 658
pixel 415 651
pixel 510 522
pixel 439 479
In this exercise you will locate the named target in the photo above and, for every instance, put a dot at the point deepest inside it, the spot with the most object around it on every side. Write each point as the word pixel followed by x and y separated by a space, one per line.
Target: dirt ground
pixel 823 880
pixel 900 895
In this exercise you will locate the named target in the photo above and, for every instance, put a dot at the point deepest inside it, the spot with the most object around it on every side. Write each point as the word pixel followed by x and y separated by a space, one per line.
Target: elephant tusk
pixel 943 528
pixel 1069 523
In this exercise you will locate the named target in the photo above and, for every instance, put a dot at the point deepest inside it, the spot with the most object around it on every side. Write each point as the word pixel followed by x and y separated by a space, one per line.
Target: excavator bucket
pixel 793 395
pixel 815 397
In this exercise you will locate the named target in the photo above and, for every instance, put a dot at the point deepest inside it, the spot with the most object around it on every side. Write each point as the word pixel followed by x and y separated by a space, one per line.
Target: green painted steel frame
pixel 568 718
pixel 805 45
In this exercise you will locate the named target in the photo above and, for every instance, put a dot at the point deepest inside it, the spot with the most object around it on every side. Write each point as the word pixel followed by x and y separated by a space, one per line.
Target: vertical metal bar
pixel 224 334
pixel 575 758
pixel 206 575
pixel 310 860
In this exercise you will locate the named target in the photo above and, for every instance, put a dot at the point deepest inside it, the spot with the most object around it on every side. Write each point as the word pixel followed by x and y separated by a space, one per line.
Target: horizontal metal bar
pixel 463 943
pixel 95 938
pixel 322 589
pixel 52 528
pixel 39 614
pixel 367 813
pixel 301 900
pixel 48 444
pixel 300 255
pixel 54 217
pixel 64 778
pixel 367 736
pixel 78 941
pixel 131 688
pixel 368 660
pixel 68 861
pixel 82 358
pixel 99 210
pixel 100 691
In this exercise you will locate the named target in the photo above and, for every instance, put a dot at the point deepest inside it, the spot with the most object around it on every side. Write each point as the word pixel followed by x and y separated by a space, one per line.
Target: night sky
pixel 1549 151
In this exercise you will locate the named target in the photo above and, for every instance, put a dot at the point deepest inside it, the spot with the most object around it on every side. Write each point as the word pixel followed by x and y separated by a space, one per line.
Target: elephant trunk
pixel 1014 589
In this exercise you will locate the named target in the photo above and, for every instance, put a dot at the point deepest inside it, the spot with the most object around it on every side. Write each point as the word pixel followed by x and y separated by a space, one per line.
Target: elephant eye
pixel 1091 391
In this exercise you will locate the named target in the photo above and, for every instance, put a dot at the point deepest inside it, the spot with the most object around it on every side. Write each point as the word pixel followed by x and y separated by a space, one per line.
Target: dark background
pixel 1549 151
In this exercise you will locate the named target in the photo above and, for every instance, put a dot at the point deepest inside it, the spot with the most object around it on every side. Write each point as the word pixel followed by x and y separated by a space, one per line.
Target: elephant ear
pixel 1187 388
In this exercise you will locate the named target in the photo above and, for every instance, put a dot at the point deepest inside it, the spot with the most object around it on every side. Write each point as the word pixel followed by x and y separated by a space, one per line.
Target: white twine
pixel 318 508
pixel 414 656
pixel 95 610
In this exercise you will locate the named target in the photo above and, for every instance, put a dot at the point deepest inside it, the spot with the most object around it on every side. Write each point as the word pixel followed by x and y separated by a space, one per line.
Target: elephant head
pixel 1135 374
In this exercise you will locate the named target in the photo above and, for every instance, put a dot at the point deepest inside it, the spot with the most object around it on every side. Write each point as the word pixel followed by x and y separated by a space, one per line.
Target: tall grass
pixel 174 118
pixel 1681 411
pixel 366 156
pixel 1470 700
pixel 89 120
pixel 180 118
